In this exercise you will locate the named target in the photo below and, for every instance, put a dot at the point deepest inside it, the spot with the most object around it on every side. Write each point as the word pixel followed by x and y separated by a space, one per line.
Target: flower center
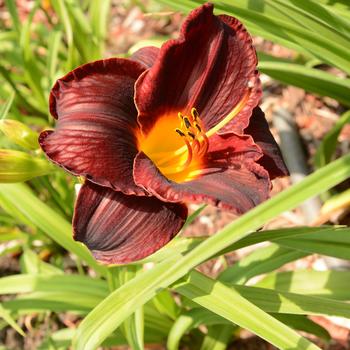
pixel 196 142
pixel 178 144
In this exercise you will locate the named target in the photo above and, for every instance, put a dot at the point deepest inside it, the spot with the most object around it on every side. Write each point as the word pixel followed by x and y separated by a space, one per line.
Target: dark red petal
pixel 118 228
pixel 272 160
pixel 95 133
pixel 230 179
pixel 209 67
pixel 146 55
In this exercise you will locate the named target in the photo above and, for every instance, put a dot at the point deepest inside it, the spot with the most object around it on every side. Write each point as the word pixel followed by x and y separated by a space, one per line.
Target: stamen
pixel 195 143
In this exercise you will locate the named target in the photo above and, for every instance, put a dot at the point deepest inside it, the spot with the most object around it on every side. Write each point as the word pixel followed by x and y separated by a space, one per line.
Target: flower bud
pixel 19 133
pixel 16 166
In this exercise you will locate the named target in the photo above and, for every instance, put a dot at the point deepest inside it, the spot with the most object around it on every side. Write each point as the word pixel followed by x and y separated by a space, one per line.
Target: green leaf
pixel 32 264
pixel 26 283
pixel 313 16
pixel 330 284
pixel 61 340
pixel 81 30
pixel 271 301
pixel 70 293
pixel 32 71
pixel 99 13
pixel 134 329
pixel 4 314
pixel 262 260
pixel 336 245
pixel 328 14
pixel 62 12
pixel 329 143
pixel 292 303
pixel 302 323
pixel 217 338
pixel 12 8
pixel 336 202
pixel 278 235
pixel 52 55
pixel 165 304
pixel 10 234
pixel 6 106
pixel 194 215
pixel 53 301
pixel 231 305
pixel 133 326
pixel 309 79
pixel 120 304
pixel 22 94
pixel 192 319
pixel 177 247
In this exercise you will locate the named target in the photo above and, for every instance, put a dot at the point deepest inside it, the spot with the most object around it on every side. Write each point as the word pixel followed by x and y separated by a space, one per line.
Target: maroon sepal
pixel 119 228
pixel 96 127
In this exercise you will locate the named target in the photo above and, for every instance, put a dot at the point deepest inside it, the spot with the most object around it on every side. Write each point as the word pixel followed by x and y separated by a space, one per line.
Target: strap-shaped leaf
pixel 232 305
pixel 330 284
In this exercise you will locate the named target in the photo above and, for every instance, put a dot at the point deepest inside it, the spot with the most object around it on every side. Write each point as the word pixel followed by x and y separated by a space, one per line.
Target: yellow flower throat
pixel 177 143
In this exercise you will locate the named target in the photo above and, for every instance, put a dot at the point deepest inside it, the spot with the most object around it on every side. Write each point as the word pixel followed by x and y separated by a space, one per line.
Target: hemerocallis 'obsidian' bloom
pixel 166 127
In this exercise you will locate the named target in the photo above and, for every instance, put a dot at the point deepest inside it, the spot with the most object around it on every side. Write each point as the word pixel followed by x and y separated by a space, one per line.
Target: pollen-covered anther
pixel 191 130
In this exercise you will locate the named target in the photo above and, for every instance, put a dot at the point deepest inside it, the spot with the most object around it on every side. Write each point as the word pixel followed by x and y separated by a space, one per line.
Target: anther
pixel 180 132
pixel 193 136
pixel 198 127
pixel 187 122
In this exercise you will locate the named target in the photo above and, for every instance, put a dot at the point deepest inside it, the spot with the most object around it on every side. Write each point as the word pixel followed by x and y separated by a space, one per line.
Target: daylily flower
pixel 164 128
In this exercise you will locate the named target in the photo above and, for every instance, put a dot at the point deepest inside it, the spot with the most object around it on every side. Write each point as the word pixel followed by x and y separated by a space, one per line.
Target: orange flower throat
pixel 178 143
